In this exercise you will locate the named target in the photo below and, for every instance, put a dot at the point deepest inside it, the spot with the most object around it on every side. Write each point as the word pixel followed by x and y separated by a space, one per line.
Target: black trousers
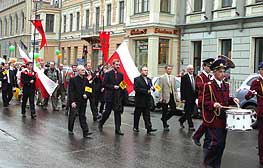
pixel 214 146
pixel 166 115
pixel 145 111
pixel 260 139
pixel 188 111
pixel 28 94
pixel 7 95
pixel 106 115
pixel 79 111
pixel 93 107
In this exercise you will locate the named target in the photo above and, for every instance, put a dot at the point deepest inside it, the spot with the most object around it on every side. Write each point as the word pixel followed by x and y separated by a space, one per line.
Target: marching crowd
pixel 105 92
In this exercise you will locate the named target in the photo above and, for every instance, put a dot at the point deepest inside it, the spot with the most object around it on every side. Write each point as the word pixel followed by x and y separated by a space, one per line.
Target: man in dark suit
pixel 111 83
pixel 143 87
pixel 8 79
pixel 188 96
pixel 79 91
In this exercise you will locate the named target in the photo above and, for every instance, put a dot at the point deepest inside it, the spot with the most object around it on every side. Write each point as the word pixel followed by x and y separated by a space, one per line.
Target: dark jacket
pixel 108 83
pixel 141 88
pixel 26 77
pixel 12 77
pixel 187 91
pixel 76 90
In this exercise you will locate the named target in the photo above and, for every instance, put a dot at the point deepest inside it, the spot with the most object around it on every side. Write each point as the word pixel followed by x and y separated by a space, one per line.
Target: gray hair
pixel 190 66
pixel 80 67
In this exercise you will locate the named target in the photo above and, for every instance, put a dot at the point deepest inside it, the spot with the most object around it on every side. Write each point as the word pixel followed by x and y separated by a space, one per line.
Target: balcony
pixel 90 34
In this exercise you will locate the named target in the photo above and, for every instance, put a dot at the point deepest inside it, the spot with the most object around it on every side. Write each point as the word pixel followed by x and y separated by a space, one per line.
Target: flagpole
pixel 34 41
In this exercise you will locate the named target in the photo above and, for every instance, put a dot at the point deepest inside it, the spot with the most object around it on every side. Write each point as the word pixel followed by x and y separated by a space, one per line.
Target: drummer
pixel 215 100
pixel 257 89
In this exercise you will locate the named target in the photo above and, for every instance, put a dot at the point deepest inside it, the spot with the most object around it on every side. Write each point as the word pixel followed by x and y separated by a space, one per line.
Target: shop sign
pixel 138 31
pixel 165 31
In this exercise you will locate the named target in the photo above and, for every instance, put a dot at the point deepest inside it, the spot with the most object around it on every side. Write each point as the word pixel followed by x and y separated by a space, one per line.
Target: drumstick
pixel 228 107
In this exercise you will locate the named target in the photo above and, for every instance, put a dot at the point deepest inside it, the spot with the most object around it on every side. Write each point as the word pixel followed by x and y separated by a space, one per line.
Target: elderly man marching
pixel 256 89
pixel 200 81
pixel 215 99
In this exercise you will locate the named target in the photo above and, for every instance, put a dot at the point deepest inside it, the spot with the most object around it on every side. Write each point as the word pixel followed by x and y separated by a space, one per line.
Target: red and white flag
pixel 127 67
pixel 43 83
pixel 39 27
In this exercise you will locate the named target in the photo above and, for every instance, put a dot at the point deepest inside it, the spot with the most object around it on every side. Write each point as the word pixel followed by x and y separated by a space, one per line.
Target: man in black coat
pixel 188 97
pixel 79 91
pixel 143 88
pixel 8 78
pixel 28 79
pixel 113 99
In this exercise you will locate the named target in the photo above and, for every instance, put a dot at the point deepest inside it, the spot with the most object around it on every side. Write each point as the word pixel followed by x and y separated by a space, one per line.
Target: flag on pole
pixel 43 83
pixel 104 42
pixel 23 45
pixel 39 27
pixel 127 67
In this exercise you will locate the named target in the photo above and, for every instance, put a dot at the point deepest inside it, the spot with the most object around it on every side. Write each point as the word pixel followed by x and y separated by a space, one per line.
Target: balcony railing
pixel 90 31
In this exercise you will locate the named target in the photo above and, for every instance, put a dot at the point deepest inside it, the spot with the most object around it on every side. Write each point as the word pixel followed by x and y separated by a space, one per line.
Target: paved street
pixel 45 143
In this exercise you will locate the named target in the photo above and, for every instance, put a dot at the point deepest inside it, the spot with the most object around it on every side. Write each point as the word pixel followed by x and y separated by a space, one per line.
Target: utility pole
pixel 34 41
pixel 60 28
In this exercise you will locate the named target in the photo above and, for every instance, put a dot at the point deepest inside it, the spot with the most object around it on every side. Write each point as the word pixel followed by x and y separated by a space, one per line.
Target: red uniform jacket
pixel 199 85
pixel 213 117
pixel 257 85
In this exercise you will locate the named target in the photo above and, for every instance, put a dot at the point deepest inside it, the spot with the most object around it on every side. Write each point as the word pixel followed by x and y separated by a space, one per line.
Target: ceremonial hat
pixel 217 64
pixel 208 61
pixel 229 62
pixel 260 66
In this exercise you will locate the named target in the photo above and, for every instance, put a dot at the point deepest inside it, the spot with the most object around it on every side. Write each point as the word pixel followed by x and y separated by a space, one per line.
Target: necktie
pixel 170 84
pixel 193 83
pixel 8 77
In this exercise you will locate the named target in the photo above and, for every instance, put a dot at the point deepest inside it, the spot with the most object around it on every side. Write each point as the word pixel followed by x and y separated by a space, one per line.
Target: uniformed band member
pixel 168 95
pixel 78 93
pixel 111 82
pixel 28 80
pixel 200 80
pixel 143 87
pixel 215 98
pixel 256 89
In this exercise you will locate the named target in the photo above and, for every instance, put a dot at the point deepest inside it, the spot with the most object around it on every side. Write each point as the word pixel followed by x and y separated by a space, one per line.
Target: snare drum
pixel 239 119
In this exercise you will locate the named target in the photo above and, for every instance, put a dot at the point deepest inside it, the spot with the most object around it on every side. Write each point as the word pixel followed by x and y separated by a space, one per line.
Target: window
pixel 141 6
pixel 68 55
pixel 165 6
pixel 49 23
pixel 259 1
pixel 23 22
pixel 1 29
pixel 71 22
pixel 141 52
pixel 11 25
pixel 163 51
pixel 16 23
pixel 108 14
pixel 121 13
pixel 75 53
pixel 198 5
pixel 97 17
pixel 226 47
pixel 87 19
pixel 78 18
pixel 64 23
pixel 226 3
pixel 258 52
pixel 5 27
pixel 63 55
pixel 197 55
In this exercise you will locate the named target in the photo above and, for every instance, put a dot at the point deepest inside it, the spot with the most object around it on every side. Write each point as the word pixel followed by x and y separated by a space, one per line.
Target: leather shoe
pixel 119 133
pixel 86 134
pixel 166 129
pixel 24 115
pixel 151 130
pixel 33 116
pixel 196 141
pixel 181 125
pixel 136 130
pixel 100 126
pixel 191 129
pixel 70 132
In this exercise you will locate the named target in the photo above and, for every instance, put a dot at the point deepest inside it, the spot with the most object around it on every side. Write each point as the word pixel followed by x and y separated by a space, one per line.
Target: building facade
pixel 15 27
pixel 222 27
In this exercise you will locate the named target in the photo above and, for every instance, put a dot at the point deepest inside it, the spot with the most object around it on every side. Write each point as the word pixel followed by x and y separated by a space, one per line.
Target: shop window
pixel 226 47
pixel 226 3
pixel 141 52
pixel 163 51
pixel 49 23
pixel 198 4
pixel 165 6
pixel 121 12
pixel 197 53
pixel 258 52
pixel 108 14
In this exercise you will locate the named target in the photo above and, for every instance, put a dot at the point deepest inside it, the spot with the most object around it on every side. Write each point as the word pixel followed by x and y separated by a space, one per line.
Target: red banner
pixel 104 42
pixel 39 27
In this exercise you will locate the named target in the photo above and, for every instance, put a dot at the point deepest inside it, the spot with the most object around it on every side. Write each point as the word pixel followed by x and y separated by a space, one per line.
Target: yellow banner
pixel 88 89
pixel 157 87
pixel 123 85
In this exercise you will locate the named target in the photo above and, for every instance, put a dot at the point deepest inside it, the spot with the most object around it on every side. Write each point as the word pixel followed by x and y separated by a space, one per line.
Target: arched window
pixel 16 24
pixel 5 27
pixel 11 25
pixel 22 21
pixel 1 28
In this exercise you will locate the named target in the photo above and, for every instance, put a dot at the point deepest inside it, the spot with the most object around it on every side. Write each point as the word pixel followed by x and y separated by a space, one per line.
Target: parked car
pixel 251 103
pixel 155 101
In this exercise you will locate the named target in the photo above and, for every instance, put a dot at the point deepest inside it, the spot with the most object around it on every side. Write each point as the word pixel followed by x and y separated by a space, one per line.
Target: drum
pixel 239 119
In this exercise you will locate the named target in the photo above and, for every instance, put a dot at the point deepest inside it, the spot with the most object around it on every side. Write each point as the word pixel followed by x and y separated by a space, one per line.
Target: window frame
pixel 71 22
pixel 87 18
pixel 195 6
pixel 225 5
pixel 78 21
pixel 50 22
pixel 121 12
pixel 109 11
pixel 64 23
pixel 168 6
